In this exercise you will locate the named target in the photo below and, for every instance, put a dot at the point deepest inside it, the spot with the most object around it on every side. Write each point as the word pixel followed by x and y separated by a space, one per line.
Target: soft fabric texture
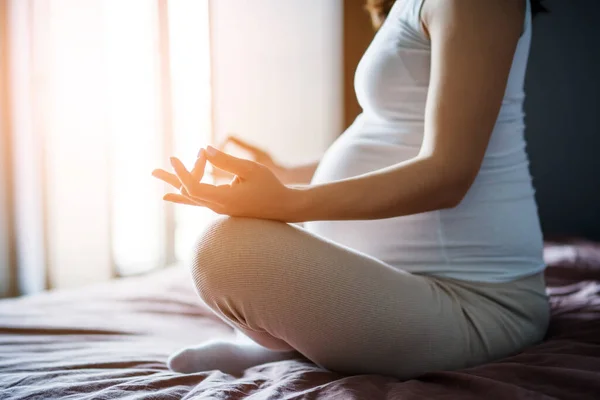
pixel 111 341
pixel 288 289
pixel 494 234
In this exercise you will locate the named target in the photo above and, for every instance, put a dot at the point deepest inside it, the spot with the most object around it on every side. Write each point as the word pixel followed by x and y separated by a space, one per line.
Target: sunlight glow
pixel 98 106
pixel 190 74
pixel 134 128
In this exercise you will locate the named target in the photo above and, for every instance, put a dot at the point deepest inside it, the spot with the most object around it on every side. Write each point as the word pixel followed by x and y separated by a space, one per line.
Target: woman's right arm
pixel 297 175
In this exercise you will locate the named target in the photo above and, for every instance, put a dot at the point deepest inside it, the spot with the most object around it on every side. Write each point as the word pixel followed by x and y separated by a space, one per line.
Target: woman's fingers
pixel 182 199
pixel 185 177
pixel 226 162
pixel 173 180
pixel 198 190
pixel 199 166
pixel 179 199
pixel 167 177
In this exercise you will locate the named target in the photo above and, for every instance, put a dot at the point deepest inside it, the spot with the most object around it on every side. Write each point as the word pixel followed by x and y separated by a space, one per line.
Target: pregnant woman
pixel 421 247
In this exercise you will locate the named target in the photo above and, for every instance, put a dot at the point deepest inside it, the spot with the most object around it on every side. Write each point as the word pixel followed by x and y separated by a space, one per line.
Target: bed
pixel 110 341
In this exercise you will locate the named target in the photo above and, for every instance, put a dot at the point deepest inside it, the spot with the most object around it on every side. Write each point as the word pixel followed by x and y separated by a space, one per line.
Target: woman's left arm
pixel 472 47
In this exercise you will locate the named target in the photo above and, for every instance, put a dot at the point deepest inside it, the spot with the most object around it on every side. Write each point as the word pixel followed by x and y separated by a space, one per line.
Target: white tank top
pixel 494 234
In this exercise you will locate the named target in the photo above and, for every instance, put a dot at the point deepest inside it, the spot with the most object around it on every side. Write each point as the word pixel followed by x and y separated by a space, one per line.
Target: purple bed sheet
pixel 110 341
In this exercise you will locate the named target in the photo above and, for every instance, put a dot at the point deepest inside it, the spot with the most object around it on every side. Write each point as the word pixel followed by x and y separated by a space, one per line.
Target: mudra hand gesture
pixel 255 191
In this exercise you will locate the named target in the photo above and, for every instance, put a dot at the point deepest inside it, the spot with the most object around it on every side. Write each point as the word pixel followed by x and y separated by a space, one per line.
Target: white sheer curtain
pixel 103 91
pixel 6 245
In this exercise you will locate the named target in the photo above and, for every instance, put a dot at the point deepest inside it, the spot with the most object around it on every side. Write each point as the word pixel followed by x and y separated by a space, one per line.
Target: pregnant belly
pixel 355 154
pixel 494 229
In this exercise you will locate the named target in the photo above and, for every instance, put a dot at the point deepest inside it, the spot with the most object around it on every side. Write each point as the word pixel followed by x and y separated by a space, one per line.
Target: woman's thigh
pixel 342 309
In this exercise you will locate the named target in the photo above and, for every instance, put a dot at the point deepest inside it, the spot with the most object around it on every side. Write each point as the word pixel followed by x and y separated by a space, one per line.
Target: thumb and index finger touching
pixel 218 158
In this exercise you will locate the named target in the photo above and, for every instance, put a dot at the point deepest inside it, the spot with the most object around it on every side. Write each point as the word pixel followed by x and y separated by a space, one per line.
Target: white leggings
pixel 348 312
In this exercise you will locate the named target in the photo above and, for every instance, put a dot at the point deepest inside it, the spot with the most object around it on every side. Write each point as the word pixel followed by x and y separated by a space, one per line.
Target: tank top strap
pixel 410 12
pixel 407 14
pixel 415 9
pixel 413 13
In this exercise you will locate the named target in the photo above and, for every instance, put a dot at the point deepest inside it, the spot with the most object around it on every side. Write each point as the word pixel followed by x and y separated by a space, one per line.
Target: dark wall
pixel 563 117
pixel 357 35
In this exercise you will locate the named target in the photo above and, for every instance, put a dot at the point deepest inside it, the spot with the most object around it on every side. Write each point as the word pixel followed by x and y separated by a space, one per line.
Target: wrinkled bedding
pixel 110 341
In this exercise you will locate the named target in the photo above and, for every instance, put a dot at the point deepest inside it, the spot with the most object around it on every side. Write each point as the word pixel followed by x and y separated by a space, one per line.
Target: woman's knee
pixel 230 256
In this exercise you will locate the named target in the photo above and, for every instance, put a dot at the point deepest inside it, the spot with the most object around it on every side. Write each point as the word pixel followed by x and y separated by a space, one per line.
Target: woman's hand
pixel 258 155
pixel 254 192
